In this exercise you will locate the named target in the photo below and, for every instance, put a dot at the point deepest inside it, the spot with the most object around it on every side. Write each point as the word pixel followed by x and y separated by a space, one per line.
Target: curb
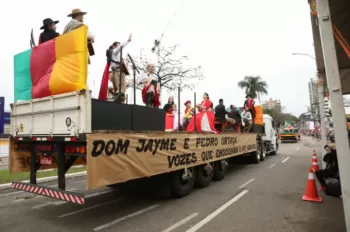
pixel 45 179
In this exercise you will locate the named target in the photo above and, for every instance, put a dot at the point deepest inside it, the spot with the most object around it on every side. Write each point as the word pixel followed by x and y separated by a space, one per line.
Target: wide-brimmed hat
pixel 188 101
pixel 76 12
pixel 48 21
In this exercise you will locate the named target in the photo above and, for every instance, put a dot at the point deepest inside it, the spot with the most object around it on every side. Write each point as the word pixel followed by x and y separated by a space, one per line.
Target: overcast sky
pixel 228 38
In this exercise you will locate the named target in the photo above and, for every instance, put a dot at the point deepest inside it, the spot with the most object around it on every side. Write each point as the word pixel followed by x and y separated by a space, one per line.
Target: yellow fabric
pixel 70 70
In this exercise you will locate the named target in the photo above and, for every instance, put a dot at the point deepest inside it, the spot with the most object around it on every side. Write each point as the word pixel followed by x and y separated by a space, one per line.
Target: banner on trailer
pixel 19 160
pixel 119 157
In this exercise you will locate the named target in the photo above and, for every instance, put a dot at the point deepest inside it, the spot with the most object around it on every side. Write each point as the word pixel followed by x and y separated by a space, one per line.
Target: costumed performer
pixel 205 119
pixel 151 90
pixel 176 119
pixel 169 116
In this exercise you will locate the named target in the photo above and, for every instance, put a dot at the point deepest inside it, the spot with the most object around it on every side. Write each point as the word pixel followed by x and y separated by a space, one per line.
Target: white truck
pixel 270 139
pixel 118 143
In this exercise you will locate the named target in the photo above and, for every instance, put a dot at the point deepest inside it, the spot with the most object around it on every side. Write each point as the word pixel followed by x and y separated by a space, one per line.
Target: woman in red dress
pixel 205 118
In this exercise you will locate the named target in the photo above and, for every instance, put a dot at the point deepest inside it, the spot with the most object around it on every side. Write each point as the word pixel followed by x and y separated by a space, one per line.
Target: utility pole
pixel 338 111
pixel 320 77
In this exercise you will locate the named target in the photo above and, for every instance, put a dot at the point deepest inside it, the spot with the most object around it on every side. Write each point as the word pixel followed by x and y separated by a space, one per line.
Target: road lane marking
pixel 99 193
pixel 217 212
pixel 64 202
pixel 246 183
pixel 298 148
pixel 88 208
pixel 285 160
pixel 248 165
pixel 272 165
pixel 6 194
pixel 125 217
pixel 179 223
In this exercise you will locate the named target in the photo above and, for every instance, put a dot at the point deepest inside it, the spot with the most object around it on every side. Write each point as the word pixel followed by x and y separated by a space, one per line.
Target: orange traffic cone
pixel 315 166
pixel 311 191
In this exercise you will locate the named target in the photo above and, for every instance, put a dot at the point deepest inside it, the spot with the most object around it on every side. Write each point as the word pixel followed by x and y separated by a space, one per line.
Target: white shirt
pixel 247 115
pixel 143 77
pixel 116 55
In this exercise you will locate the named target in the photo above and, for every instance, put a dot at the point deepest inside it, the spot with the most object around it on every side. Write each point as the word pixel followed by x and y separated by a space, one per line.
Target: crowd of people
pixel 206 118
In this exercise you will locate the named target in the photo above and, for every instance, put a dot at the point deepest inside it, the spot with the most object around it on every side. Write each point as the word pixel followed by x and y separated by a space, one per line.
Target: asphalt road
pixel 265 197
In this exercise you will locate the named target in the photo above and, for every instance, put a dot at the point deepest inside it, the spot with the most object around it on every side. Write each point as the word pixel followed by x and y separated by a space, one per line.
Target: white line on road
pixel 179 223
pixel 272 165
pixel 285 160
pixel 88 208
pixel 125 217
pixel 64 202
pixel 6 194
pixel 217 212
pixel 99 193
pixel 298 148
pixel 36 196
pixel 246 183
pixel 282 158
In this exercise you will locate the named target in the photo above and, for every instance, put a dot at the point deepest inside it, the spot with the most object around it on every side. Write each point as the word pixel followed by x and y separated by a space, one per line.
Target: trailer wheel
pixel 204 175
pixel 255 156
pixel 220 169
pixel 263 151
pixel 182 182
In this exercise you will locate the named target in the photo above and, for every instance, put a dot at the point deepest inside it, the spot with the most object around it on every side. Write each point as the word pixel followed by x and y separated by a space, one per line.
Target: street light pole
pixel 321 113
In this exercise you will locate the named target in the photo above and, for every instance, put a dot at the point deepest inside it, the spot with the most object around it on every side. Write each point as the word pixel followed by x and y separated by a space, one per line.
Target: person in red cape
pixel 250 103
pixel 205 118
pixel 151 90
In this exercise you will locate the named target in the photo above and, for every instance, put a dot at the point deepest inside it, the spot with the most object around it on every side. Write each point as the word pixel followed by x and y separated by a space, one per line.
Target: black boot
pixel 149 99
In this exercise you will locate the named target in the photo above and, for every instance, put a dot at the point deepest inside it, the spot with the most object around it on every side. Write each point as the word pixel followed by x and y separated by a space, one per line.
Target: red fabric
pixel 41 69
pixel 250 103
pixel 169 122
pixel 199 116
pixel 104 84
pixel 156 102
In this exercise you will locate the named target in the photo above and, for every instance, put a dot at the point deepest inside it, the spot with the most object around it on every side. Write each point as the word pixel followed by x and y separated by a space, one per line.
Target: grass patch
pixel 5 177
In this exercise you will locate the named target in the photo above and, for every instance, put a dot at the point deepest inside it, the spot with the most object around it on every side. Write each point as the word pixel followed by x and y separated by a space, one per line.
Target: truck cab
pixel 270 139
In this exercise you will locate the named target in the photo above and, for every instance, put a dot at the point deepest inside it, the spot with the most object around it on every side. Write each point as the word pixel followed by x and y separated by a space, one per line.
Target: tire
pixel 263 151
pixel 255 157
pixel 180 187
pixel 203 178
pixel 220 170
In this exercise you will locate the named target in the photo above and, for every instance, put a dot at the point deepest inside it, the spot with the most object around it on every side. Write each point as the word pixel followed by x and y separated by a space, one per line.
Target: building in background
pixel 7 123
pixel 272 104
pixel 313 97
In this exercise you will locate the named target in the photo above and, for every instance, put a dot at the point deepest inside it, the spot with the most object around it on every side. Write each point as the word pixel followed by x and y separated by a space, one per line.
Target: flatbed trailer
pixel 71 129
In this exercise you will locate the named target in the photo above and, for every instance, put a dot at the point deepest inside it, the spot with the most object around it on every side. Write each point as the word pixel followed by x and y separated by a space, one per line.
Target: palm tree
pixel 253 86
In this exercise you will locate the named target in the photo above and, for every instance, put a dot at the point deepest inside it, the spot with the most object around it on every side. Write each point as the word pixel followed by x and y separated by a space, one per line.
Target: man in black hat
pixel 49 33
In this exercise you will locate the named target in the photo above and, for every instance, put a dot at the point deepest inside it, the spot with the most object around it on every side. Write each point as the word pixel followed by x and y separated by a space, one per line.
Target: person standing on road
pixel 331 170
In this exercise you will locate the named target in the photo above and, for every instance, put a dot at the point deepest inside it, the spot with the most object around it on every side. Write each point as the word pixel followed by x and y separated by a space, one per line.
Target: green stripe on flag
pixel 22 77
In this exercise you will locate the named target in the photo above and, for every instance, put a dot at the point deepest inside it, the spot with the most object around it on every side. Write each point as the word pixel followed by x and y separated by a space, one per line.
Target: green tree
pixel 253 85
pixel 281 117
